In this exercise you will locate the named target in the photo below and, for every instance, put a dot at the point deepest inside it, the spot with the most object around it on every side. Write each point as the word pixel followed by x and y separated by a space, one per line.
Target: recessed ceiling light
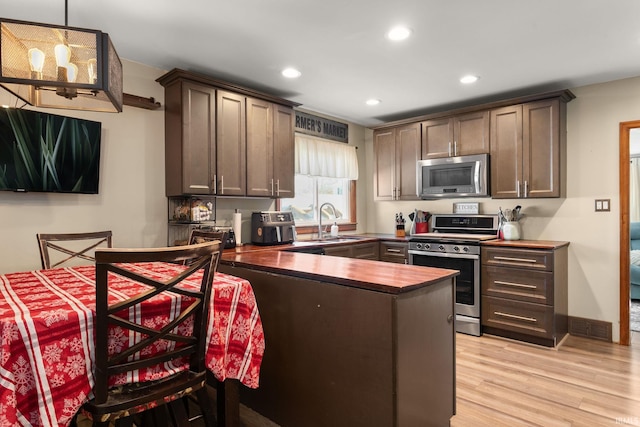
pixel 291 73
pixel 373 101
pixel 399 33
pixel 469 79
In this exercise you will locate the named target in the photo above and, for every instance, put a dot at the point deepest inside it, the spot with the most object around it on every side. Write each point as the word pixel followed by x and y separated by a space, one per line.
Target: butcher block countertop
pixel 526 244
pixel 359 273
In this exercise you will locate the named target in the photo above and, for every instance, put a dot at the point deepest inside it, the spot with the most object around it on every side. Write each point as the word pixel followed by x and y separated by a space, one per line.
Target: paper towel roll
pixel 237 226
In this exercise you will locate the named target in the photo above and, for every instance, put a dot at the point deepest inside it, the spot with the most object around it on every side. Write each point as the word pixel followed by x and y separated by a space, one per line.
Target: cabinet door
pixel 506 152
pixel 437 138
pixel 283 151
pixel 541 149
pixel 190 156
pixel 369 250
pixel 471 133
pixel 345 251
pixel 231 145
pixel 407 155
pixel 384 153
pixel 259 148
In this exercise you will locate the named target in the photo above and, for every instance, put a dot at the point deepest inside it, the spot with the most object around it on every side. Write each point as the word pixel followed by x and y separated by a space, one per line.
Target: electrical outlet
pixel 603 205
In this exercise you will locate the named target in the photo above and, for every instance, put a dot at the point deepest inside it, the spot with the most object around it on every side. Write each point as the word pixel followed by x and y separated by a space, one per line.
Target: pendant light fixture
pixel 54 66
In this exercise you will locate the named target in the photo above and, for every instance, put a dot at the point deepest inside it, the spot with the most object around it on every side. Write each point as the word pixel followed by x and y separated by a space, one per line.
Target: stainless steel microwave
pixel 462 176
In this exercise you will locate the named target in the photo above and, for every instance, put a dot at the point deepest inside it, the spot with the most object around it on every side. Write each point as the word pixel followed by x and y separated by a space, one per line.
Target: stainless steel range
pixel 455 244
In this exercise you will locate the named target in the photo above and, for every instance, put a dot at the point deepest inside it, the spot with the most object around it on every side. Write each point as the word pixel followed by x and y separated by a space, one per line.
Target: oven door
pixel 467 283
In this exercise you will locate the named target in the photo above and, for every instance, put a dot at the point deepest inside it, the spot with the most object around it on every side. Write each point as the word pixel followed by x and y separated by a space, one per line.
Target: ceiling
pixel 515 47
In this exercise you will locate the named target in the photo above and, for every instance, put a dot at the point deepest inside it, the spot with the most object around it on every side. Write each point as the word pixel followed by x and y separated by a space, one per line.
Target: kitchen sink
pixel 298 245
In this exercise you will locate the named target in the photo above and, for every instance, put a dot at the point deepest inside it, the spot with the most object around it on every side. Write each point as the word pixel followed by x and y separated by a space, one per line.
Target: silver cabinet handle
pixel 517 188
pixel 396 251
pixel 515 285
pixel 272 187
pixel 513 316
pixel 455 148
pixel 506 258
pixel 278 188
pixel 450 318
pixel 215 184
pixel 449 149
pixel 526 189
pixel 221 184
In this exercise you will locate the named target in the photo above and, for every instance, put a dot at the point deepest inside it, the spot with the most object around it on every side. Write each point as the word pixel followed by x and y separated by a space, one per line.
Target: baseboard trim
pixel 590 328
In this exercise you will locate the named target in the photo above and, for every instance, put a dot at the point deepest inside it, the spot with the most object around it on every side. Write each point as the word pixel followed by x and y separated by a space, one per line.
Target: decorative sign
pixel 321 127
pixel 466 208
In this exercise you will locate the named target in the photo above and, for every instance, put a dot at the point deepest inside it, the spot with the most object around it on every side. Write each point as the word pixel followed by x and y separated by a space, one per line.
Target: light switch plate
pixel 603 205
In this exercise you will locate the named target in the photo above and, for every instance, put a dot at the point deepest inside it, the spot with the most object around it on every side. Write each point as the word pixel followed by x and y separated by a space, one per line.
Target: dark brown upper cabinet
pixel 225 140
pixel 396 153
pixel 459 135
pixel 270 149
pixel 528 149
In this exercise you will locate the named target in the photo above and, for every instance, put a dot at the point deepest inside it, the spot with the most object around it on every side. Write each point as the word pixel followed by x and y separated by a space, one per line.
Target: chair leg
pixel 179 413
pixel 206 407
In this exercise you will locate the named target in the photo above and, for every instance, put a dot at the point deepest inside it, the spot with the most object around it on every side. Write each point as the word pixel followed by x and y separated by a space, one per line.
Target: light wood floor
pixel 507 383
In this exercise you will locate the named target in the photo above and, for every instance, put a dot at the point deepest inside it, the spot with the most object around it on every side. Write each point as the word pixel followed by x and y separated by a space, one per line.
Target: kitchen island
pixel 351 342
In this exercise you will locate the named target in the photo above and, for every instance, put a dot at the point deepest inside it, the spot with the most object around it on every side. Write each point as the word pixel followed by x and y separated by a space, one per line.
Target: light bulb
pixel 92 69
pixel 72 72
pixel 36 59
pixel 63 55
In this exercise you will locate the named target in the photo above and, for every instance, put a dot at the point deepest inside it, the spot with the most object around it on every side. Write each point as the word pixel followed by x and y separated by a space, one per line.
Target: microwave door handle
pixel 477 177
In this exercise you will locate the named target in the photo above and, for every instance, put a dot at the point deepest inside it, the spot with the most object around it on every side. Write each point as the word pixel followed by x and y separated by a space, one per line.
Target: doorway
pixel 625 158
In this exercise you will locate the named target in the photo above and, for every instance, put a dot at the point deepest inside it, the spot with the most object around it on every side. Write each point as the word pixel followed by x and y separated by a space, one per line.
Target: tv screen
pixel 47 152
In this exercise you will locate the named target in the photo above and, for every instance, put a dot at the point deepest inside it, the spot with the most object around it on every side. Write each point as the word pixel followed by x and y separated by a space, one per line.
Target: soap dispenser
pixel 334 229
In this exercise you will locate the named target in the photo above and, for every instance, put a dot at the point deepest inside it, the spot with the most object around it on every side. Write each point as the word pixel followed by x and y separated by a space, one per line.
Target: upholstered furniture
pixel 634 234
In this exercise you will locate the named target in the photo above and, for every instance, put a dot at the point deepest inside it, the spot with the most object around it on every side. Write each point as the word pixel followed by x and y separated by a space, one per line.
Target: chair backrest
pixel 199 236
pixel 57 249
pixel 181 338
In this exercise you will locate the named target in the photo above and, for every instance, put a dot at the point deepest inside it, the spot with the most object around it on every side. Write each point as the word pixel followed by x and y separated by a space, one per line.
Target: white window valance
pixel 324 158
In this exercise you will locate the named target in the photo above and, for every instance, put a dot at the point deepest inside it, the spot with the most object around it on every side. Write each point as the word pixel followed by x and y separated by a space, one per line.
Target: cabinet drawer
pixel 366 251
pixel 522 258
pixel 394 252
pixel 517 316
pixel 517 284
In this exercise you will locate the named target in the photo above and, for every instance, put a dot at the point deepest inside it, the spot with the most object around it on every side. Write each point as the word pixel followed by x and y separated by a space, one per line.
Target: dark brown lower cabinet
pixel 349 357
pixel 524 291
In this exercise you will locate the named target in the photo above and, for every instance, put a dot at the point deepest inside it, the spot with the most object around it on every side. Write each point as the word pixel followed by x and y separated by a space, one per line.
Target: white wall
pixel 592 172
pixel 131 200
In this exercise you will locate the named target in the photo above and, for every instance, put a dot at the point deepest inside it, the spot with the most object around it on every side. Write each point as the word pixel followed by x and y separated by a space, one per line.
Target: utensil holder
pixel 511 230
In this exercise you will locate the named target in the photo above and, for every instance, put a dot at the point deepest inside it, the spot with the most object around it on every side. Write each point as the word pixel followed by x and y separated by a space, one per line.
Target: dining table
pixel 47 351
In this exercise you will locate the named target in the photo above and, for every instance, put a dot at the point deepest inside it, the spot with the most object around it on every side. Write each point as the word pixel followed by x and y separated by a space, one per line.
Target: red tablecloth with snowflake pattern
pixel 47 344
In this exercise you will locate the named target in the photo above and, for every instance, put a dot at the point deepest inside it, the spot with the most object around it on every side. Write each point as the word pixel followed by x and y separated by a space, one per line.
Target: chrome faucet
pixel 320 231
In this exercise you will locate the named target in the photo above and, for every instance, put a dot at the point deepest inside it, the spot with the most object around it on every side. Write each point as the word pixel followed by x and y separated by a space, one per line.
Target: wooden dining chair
pixel 198 236
pixel 179 341
pixel 57 249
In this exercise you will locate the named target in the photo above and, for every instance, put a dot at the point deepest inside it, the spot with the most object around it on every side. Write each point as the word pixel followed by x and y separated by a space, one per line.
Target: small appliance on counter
pixel 272 228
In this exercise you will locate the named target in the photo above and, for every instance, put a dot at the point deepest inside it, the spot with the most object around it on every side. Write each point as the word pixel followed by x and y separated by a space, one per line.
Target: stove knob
pixel 427 246
pixel 441 247
pixel 418 245
pixel 465 249
pixel 456 249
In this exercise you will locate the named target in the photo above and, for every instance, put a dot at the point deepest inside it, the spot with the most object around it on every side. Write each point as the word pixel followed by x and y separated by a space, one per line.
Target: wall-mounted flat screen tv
pixel 48 153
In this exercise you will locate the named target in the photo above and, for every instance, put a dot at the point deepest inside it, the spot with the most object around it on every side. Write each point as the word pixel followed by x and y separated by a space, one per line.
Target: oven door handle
pixel 444 254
